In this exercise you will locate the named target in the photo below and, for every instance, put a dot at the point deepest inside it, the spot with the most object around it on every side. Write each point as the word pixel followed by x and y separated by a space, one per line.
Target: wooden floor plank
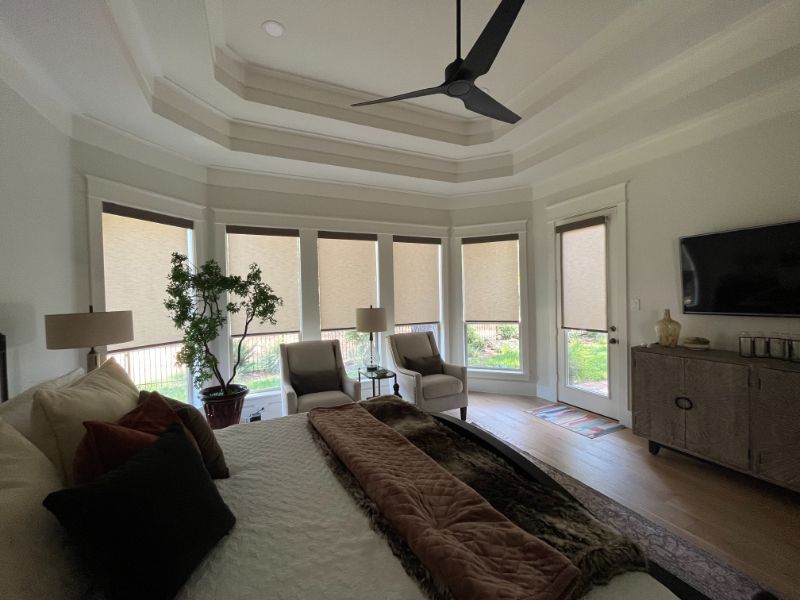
pixel 752 524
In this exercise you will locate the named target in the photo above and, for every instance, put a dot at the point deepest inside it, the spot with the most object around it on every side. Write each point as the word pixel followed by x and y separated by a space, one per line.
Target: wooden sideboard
pixel 743 413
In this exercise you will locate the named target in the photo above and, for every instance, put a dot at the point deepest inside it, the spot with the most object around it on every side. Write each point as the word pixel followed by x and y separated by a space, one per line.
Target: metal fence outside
pixel 155 368
pixel 493 345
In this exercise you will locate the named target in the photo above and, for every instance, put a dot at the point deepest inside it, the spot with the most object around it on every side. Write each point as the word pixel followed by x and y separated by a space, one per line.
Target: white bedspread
pixel 299 535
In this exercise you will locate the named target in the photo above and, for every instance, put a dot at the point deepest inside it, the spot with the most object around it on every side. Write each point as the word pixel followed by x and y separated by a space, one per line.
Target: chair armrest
pixel 289 397
pixel 457 371
pixel 410 383
pixel 351 387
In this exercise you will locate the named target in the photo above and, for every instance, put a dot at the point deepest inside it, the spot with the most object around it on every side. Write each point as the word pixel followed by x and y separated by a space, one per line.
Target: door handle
pixel 613 341
pixel 612 329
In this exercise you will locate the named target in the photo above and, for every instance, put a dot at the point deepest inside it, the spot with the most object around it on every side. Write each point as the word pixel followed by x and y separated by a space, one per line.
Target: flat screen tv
pixel 744 272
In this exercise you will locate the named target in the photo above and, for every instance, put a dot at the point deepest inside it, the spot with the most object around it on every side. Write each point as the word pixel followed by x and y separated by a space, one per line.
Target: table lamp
pixel 371 320
pixel 87 330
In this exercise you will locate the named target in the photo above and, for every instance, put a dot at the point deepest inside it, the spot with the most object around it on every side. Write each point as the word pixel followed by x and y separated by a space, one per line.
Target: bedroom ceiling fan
pixel 460 75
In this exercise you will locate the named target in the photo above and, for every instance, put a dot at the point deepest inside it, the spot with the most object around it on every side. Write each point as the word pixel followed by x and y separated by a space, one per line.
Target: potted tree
pixel 199 301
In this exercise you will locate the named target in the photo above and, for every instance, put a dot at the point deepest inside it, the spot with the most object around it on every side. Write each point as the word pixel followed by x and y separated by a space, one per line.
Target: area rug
pixel 687 562
pixel 580 421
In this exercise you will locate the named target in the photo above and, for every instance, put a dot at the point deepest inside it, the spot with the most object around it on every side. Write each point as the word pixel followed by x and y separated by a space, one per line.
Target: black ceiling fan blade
pixel 482 103
pixel 486 47
pixel 419 93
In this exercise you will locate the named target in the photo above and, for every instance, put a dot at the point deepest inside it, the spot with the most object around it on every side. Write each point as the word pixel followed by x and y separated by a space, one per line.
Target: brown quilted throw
pixel 476 551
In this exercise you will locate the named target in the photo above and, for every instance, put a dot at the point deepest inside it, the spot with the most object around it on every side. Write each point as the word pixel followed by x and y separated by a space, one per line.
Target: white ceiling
pixel 593 80
pixel 388 47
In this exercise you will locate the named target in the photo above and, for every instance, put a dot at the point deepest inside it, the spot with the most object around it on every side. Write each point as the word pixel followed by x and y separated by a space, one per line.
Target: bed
pixel 300 533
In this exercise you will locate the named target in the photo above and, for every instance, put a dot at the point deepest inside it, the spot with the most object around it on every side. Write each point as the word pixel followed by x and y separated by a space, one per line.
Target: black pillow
pixel 316 381
pixel 144 526
pixel 426 365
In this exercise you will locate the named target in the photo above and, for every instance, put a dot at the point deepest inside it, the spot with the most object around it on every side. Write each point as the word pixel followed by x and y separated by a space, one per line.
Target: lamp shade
pixel 86 330
pixel 371 319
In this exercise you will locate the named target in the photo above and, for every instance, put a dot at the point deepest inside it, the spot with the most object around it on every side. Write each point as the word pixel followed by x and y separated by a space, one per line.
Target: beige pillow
pixel 57 415
pixel 17 411
pixel 34 560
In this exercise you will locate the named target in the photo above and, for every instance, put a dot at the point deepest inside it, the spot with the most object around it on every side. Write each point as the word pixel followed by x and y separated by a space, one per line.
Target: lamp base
pixel 91 360
pixel 372 367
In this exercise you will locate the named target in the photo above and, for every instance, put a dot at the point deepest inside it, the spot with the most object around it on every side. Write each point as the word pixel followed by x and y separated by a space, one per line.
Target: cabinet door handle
pixel 684 402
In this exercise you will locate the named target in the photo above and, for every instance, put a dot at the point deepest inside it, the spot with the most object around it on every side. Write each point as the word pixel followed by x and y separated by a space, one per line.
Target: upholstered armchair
pixel 312 375
pixel 432 393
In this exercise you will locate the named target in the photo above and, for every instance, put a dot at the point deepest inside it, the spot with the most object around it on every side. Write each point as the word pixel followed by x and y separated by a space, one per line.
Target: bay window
pixel 491 287
pixel 277 253
pixel 137 250
pixel 348 279
pixel 417 285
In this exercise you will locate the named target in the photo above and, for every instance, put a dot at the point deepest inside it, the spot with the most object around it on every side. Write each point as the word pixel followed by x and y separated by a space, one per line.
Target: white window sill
pixel 498 374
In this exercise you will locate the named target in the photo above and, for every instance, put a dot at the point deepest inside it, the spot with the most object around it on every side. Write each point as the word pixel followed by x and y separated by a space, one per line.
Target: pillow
pixel 315 381
pixel 34 561
pixel 426 365
pixel 146 525
pixel 105 446
pixel 197 425
pixel 17 410
pixel 151 415
pixel 57 415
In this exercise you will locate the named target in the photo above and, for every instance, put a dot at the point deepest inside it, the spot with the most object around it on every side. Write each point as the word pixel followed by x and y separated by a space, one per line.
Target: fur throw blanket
pixel 541 507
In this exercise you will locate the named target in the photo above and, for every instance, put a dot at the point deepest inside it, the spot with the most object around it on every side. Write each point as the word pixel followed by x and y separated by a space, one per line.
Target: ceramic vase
pixel 668 331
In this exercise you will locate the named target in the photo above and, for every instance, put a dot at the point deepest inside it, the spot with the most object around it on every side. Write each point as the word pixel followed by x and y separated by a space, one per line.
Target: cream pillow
pixel 17 411
pixel 35 562
pixel 57 415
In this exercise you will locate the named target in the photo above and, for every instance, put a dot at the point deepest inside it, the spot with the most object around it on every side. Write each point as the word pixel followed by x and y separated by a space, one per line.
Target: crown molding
pixel 171 101
pixel 99 188
pixel 257 83
pixel 111 139
pixel 295 221
pixel 462 231
pixel 756 37
pixel 766 105
pixel 275 88
pixel 98 134
pixel 761 34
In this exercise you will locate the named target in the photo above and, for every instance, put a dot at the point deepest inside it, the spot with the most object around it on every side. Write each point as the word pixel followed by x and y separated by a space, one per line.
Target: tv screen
pixel 745 272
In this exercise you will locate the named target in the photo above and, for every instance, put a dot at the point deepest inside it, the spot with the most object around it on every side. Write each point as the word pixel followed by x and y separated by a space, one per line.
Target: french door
pixel 588 344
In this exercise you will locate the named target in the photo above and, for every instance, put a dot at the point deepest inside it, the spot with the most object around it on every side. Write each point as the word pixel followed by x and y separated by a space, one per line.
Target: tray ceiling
pixel 594 81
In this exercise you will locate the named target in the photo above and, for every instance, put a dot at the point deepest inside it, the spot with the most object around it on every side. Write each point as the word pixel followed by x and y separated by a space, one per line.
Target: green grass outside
pixel 501 352
pixel 588 357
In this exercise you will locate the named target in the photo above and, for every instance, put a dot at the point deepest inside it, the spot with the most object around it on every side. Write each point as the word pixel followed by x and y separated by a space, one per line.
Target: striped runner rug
pixel 575 419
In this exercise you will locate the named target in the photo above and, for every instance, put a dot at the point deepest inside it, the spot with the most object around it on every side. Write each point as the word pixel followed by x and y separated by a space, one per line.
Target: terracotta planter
pixel 221 409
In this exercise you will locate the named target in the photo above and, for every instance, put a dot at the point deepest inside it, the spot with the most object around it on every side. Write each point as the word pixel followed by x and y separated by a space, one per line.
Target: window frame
pixel 140 209
pixel 232 338
pixel 441 328
pixel 492 232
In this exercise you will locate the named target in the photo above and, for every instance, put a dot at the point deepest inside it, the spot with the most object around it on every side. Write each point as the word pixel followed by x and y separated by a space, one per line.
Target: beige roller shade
pixel 347 280
pixel 136 264
pixel 491 279
pixel 279 259
pixel 416 283
pixel 583 278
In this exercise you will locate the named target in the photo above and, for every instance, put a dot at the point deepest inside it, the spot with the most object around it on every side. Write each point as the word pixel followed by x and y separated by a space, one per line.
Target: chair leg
pixel 463 413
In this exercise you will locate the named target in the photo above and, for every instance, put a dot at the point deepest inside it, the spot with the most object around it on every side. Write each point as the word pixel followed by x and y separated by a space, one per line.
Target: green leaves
pixel 197 300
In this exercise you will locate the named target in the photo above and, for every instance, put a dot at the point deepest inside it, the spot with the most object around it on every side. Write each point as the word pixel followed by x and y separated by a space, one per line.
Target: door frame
pixel 611 200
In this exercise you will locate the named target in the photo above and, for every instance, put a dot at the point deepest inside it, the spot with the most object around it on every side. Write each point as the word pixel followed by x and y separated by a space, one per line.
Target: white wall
pixel 42 241
pixel 748 178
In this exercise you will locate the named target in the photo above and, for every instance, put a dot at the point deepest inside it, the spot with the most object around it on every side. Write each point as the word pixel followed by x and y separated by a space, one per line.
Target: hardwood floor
pixel 751 524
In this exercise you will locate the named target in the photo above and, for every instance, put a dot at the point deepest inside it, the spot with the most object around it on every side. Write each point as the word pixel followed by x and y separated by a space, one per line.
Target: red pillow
pixel 153 415
pixel 108 445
